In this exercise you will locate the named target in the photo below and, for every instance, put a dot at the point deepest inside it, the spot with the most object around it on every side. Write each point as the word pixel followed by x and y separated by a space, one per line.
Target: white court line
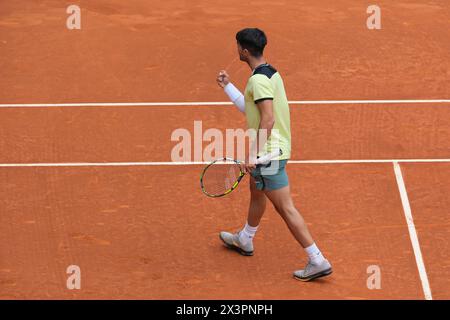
pixel 412 232
pixel 188 163
pixel 218 103
pixel 366 161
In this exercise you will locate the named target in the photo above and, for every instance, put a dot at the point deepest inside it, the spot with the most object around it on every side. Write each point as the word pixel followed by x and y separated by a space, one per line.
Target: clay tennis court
pixel 86 177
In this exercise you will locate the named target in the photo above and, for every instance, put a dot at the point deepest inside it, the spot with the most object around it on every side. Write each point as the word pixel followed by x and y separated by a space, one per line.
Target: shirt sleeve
pixel 262 88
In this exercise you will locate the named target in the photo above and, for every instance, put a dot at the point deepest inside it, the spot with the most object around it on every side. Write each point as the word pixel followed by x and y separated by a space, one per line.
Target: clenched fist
pixel 223 79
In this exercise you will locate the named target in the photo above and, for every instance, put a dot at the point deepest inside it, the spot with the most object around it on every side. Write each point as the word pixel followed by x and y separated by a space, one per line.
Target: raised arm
pixel 223 80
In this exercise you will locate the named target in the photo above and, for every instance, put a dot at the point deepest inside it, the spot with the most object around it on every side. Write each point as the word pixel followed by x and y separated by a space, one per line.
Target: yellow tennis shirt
pixel 266 83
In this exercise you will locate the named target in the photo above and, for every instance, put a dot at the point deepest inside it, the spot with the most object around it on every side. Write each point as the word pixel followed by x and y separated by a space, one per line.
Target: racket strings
pixel 220 177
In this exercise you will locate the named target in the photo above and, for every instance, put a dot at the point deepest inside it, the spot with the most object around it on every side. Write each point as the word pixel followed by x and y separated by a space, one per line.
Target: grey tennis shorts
pixel 271 176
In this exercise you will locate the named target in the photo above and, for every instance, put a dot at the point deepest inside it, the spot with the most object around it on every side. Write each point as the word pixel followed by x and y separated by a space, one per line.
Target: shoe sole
pixel 315 276
pixel 236 248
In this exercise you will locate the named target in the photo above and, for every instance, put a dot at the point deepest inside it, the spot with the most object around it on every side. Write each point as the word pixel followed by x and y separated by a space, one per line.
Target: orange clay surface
pixel 148 232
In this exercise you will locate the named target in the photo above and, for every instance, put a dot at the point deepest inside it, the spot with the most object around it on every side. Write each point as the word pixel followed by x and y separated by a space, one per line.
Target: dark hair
pixel 252 39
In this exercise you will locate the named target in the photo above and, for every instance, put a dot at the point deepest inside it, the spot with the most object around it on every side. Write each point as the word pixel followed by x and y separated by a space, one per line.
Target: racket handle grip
pixel 266 158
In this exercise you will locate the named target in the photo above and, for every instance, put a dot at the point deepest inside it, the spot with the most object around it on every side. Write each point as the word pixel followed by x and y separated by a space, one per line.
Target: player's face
pixel 243 53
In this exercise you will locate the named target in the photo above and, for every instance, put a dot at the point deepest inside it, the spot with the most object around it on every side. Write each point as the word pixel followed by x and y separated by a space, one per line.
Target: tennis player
pixel 266 108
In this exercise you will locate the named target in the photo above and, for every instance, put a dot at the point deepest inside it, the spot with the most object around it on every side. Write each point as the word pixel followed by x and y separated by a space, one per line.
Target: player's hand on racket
pixel 223 79
pixel 223 175
pixel 247 166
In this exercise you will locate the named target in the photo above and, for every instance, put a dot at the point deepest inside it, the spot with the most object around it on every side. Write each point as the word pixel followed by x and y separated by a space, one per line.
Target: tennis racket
pixel 223 175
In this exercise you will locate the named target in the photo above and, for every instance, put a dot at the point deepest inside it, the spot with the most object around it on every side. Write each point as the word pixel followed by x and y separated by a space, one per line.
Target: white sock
pixel 246 235
pixel 314 254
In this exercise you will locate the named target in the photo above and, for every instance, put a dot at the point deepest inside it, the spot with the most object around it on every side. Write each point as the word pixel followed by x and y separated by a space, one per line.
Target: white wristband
pixel 235 96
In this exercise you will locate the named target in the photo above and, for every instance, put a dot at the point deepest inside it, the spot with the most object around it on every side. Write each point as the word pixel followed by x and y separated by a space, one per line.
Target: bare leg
pixel 282 201
pixel 257 205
